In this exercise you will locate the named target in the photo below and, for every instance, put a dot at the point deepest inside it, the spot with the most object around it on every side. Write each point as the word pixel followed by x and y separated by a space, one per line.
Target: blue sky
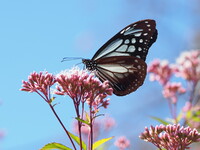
pixel 36 35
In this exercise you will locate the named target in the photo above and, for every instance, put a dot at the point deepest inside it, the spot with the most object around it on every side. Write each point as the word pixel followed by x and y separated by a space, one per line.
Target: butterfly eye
pixel 121 60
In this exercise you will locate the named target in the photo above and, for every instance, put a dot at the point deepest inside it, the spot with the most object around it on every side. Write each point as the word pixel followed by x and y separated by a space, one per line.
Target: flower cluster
pixel 83 87
pixel 171 137
pixel 188 65
pixel 160 71
pixel 171 90
pixel 39 83
pixel 122 143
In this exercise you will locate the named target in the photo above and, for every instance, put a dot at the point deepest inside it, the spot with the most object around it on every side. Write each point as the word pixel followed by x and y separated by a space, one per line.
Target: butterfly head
pixel 90 65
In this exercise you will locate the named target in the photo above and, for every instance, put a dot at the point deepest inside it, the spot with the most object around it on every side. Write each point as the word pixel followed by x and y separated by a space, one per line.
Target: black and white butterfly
pixel 121 60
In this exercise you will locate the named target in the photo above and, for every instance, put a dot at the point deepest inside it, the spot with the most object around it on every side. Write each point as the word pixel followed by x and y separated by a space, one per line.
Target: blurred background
pixel 35 35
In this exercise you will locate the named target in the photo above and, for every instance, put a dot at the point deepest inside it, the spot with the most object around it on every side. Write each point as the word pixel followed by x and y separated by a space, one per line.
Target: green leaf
pixel 198 112
pixel 179 117
pixel 83 121
pixel 189 114
pixel 193 115
pixel 87 117
pixel 52 99
pixel 98 143
pixel 77 139
pixel 55 146
pixel 160 120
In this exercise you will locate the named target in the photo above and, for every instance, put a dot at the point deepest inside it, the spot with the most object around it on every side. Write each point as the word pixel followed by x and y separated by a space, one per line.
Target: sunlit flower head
pixel 39 83
pixel 171 137
pixel 188 65
pixel 172 90
pixel 83 87
pixel 122 143
pixel 160 71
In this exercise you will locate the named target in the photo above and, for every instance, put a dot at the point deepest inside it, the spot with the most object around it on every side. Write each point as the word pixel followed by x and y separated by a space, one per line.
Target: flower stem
pixel 62 126
pixel 91 128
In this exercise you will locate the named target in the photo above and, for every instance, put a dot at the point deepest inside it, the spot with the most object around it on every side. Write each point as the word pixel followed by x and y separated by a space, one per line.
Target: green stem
pixel 62 125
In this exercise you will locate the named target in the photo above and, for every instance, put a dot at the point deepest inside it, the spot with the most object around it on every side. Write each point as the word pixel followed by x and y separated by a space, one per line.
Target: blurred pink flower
pixel 39 83
pixel 108 123
pixel 188 65
pixel 171 91
pixel 2 134
pixel 83 87
pixel 85 129
pixel 160 71
pixel 187 107
pixel 171 137
pixel 122 143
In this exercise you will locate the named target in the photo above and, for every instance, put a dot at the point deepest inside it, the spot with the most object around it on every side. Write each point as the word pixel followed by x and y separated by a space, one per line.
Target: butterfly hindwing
pixel 125 74
pixel 133 40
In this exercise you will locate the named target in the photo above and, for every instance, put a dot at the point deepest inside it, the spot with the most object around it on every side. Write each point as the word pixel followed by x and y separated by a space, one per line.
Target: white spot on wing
pixel 139 67
pixel 138 34
pixel 141 40
pixel 137 56
pixel 131 48
pixel 145 34
pixel 133 40
pixel 139 48
pixel 126 41
pixel 122 31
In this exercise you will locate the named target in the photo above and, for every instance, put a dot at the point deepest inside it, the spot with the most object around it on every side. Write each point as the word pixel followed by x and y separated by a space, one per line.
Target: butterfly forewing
pixel 125 74
pixel 133 40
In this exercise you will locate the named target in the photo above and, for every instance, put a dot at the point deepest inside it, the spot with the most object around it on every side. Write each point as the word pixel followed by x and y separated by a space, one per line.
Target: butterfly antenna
pixel 70 58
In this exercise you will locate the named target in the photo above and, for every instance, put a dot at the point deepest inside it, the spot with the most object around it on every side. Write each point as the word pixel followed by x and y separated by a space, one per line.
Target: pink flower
pixel 85 129
pixel 39 83
pixel 187 107
pixel 171 137
pixel 171 91
pixel 83 87
pixel 108 123
pixel 2 134
pixel 122 143
pixel 160 71
pixel 188 65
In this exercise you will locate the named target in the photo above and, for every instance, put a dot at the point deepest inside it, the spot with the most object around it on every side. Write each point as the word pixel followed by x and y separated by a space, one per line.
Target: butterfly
pixel 121 60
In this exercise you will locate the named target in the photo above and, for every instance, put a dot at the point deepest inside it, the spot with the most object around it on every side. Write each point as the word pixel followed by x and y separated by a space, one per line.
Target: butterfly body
pixel 121 60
